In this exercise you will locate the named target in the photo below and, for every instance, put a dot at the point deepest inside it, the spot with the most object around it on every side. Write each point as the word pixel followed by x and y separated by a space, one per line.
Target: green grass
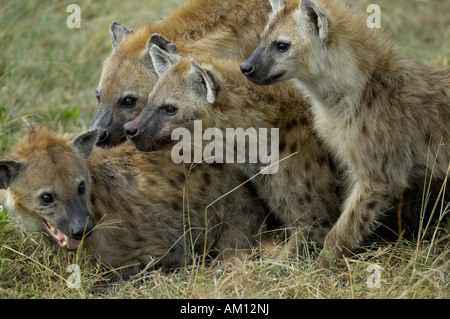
pixel 48 75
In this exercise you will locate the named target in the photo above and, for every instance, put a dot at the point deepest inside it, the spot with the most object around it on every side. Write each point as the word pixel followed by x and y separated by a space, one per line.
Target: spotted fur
pixel 303 193
pixel 142 206
pixel 384 116
pixel 222 28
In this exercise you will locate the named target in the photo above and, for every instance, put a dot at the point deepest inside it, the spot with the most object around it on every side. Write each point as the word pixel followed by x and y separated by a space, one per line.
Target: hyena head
pixel 296 33
pixel 185 91
pixel 47 185
pixel 126 80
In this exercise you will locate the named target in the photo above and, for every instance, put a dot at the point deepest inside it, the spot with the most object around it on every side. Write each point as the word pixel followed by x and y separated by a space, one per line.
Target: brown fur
pixel 144 207
pixel 222 28
pixel 384 116
pixel 303 193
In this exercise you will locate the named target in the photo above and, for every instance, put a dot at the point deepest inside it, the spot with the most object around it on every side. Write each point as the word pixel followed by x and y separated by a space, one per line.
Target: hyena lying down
pixel 222 28
pixel 127 205
pixel 302 193
pixel 384 116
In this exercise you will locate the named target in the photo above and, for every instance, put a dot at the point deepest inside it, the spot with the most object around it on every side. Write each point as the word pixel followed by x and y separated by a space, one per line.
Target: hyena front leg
pixel 309 220
pixel 304 235
pixel 361 211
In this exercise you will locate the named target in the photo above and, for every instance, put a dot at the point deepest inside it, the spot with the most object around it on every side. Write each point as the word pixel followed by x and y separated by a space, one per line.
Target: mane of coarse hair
pixel 39 139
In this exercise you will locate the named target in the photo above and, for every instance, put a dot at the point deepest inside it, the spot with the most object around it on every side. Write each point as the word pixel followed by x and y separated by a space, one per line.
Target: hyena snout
pixel 103 135
pixel 99 123
pixel 256 69
pixel 247 68
pixel 69 230
pixel 82 228
pixel 79 220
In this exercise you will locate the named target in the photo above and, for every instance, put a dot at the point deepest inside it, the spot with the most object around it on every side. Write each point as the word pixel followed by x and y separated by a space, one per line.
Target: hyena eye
pixel 81 188
pixel 169 109
pixel 128 101
pixel 282 46
pixel 46 199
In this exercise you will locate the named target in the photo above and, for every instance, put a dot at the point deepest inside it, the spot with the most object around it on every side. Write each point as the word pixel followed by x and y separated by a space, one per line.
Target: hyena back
pixel 303 193
pixel 384 116
pixel 128 206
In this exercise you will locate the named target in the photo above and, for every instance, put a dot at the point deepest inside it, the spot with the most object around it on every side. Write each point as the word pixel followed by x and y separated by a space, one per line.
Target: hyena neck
pixel 238 111
pixel 336 80
pixel 332 94
pixel 339 70
pixel 236 99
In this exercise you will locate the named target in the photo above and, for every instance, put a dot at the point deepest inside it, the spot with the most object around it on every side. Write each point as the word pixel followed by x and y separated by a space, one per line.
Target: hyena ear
pixel 161 59
pixel 206 80
pixel 83 144
pixel 162 43
pixel 310 10
pixel 276 4
pixel 118 32
pixel 8 171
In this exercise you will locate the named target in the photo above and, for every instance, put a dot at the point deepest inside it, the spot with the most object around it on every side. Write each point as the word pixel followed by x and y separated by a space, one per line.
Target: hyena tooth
pixel 52 228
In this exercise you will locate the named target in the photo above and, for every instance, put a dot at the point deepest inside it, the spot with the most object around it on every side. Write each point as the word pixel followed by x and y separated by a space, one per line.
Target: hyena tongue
pixel 63 240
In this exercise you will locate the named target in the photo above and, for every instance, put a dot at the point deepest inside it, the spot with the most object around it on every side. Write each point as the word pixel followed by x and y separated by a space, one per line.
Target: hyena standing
pixel 130 207
pixel 303 192
pixel 222 28
pixel 385 117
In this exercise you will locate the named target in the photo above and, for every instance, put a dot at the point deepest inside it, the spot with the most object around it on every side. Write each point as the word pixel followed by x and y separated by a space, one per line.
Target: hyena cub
pixel 127 206
pixel 302 193
pixel 385 117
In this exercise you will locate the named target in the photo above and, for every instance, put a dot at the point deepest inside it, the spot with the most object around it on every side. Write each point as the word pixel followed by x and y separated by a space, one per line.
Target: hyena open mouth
pixel 62 239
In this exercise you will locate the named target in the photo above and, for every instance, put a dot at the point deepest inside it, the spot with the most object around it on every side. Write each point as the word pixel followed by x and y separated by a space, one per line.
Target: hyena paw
pixel 334 247
pixel 292 249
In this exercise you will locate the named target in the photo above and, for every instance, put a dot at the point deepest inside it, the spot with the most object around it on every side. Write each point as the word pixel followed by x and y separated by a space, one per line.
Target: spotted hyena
pixel 222 28
pixel 129 207
pixel 303 192
pixel 384 116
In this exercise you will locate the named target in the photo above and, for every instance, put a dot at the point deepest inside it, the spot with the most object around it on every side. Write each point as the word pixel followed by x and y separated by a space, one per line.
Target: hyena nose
pixel 78 232
pixel 131 129
pixel 247 68
pixel 102 135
